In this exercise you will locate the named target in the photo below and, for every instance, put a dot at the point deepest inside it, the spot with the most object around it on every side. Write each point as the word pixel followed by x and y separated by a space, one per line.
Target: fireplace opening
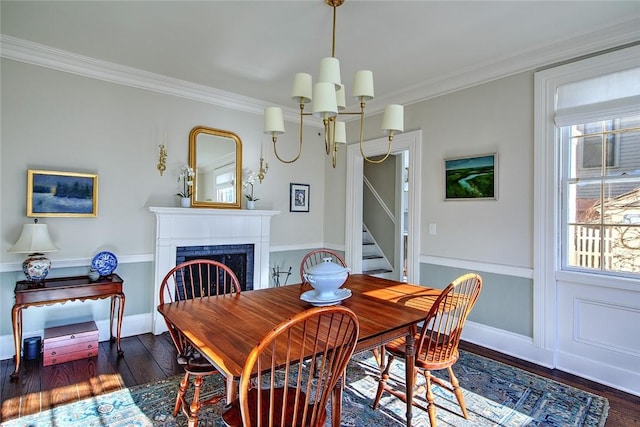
pixel 239 258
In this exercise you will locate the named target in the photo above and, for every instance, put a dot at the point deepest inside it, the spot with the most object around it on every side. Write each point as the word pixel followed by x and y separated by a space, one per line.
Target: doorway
pixel 411 143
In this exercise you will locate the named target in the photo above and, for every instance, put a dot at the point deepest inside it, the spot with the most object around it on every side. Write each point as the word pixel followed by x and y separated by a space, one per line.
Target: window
pixel 225 190
pixel 592 152
pixel 602 198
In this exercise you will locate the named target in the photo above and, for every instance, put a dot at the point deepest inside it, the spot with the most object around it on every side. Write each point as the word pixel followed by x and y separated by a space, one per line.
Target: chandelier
pixel 327 99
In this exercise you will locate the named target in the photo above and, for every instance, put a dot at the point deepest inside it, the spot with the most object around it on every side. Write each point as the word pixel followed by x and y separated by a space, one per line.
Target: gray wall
pixel 383 179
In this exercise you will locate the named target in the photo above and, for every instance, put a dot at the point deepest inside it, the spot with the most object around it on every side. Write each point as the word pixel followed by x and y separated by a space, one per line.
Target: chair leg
pixel 431 408
pixel 181 392
pixel 195 403
pixel 384 376
pixel 458 392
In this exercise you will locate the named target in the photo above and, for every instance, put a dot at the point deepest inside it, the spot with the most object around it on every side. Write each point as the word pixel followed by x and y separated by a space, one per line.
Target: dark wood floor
pixel 149 358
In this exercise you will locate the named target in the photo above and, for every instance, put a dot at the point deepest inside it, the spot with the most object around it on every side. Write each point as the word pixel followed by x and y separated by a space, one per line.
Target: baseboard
pixel 508 343
pixel 131 325
pixel 612 376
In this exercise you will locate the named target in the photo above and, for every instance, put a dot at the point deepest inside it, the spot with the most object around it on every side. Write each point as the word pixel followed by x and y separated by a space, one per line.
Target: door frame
pixel 411 141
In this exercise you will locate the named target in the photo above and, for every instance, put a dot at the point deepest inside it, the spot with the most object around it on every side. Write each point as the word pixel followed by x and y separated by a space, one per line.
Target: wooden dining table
pixel 226 327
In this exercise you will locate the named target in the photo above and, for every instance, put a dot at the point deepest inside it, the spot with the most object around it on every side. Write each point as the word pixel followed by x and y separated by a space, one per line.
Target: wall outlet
pixel 432 229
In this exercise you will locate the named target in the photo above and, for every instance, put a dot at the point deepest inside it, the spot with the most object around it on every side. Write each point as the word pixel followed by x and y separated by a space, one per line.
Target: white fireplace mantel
pixel 202 227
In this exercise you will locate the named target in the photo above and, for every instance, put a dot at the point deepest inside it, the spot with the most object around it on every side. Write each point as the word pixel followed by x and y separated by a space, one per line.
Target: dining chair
pixel 199 278
pixel 316 257
pixel 436 343
pixel 277 388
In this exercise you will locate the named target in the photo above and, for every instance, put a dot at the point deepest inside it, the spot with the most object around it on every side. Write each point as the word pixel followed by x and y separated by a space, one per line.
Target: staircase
pixel 373 260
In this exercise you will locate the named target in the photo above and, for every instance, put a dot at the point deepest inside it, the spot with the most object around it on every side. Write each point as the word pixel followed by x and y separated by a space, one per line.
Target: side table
pixel 61 290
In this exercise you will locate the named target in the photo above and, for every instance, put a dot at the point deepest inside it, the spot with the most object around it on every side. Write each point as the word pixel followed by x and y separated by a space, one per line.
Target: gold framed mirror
pixel 216 158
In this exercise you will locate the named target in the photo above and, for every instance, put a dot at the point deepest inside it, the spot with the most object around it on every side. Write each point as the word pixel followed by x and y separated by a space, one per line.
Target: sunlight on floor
pixel 30 403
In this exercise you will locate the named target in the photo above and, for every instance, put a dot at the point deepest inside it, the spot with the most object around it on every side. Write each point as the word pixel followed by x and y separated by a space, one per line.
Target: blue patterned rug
pixel 496 395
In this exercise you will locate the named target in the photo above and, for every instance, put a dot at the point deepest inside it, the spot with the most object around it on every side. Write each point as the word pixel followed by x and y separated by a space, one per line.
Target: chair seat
pixel 196 364
pixel 233 417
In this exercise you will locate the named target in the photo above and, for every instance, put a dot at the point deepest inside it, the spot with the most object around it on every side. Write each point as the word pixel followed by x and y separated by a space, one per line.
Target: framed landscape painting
pixel 61 194
pixel 471 178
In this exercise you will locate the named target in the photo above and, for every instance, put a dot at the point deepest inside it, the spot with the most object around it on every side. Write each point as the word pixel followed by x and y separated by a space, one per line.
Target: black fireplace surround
pixel 239 258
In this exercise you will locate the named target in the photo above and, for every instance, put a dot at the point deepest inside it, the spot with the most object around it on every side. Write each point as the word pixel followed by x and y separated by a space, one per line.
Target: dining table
pixel 225 328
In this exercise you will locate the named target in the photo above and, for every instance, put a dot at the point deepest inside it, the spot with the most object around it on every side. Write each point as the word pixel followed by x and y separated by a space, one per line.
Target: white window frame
pixel 547 196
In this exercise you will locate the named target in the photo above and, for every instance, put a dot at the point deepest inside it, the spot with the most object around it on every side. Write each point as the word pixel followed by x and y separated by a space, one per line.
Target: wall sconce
pixel 162 163
pixel 264 167
pixel 35 240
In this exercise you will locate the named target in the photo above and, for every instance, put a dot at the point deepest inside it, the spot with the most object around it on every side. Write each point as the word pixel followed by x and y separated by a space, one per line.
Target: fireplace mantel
pixel 200 227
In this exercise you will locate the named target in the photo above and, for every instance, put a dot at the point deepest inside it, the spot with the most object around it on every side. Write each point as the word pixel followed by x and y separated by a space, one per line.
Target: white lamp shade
pixel 34 239
pixel 340 132
pixel 302 88
pixel 393 118
pixel 340 98
pixel 273 121
pixel 363 85
pixel 324 100
pixel 330 71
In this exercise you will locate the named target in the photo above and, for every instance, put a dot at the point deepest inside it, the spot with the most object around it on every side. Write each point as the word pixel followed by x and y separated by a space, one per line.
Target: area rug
pixel 496 395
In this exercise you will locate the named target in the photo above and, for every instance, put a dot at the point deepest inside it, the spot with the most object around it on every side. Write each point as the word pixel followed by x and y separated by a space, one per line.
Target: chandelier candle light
pixel 328 97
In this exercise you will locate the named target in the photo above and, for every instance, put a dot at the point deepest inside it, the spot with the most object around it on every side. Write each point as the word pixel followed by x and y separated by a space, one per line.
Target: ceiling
pixel 416 49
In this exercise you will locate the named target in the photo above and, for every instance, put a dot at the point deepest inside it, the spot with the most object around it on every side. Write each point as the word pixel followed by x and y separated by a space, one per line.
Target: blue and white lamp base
pixel 36 267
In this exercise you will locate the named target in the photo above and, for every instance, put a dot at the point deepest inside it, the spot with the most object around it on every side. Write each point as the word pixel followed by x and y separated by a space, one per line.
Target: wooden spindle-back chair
pixel 436 342
pixel 278 387
pixel 200 278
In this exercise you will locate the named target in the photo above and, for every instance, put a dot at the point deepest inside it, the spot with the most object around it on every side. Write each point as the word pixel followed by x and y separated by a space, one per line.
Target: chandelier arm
pixel 380 160
pixel 275 150
pixel 327 135
pixel 362 140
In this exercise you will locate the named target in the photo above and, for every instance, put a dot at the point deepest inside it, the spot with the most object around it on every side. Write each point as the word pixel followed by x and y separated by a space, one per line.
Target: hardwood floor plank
pixel 109 353
pixel 60 382
pixel 140 361
pixel 165 356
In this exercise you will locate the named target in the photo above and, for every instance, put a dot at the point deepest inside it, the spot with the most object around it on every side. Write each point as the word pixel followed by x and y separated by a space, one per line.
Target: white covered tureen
pixel 326 278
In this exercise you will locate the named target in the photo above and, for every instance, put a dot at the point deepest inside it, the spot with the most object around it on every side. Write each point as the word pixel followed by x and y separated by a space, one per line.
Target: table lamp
pixel 35 240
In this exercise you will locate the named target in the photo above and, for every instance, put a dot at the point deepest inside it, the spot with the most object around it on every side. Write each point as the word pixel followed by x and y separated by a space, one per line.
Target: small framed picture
pixel 471 177
pixel 299 198
pixel 61 194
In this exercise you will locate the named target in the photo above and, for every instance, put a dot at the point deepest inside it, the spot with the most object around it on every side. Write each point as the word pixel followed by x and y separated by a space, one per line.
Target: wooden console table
pixel 61 290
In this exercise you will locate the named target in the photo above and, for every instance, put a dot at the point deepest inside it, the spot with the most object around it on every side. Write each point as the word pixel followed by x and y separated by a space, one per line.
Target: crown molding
pixel 616 36
pixel 611 37
pixel 44 56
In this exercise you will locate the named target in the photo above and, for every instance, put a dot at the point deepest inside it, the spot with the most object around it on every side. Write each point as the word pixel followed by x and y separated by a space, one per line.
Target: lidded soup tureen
pixel 326 278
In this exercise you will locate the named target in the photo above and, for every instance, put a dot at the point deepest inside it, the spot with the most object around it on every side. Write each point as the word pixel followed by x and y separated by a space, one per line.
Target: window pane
pixel 584 203
pixel 622 201
pixel 602 204
pixel 628 143
pixel 584 247
pixel 626 248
